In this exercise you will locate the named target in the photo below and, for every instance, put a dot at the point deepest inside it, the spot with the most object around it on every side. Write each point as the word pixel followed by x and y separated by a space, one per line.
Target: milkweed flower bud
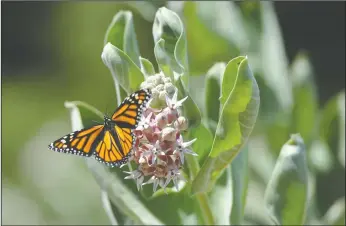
pixel 160 87
pixel 159 146
pixel 180 123
pixel 161 120
pixel 168 134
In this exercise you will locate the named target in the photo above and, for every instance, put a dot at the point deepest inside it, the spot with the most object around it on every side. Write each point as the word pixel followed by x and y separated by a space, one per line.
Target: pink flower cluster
pixel 159 149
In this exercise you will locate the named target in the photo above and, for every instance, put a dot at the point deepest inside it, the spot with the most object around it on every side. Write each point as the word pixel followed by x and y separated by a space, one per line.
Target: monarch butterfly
pixel 112 142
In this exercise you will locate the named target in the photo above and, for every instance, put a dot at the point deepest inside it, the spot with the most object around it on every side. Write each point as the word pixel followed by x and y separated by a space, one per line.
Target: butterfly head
pixel 107 120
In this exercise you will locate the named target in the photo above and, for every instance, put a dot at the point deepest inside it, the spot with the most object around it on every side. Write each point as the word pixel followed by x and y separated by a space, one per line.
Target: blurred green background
pixel 51 53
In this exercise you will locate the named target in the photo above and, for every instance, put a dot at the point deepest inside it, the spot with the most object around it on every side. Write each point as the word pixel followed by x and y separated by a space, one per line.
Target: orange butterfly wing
pixel 80 142
pixel 130 110
pixel 116 145
pixel 114 148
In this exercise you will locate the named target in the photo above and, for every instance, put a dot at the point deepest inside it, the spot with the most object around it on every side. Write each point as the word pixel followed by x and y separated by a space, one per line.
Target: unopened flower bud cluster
pixel 159 150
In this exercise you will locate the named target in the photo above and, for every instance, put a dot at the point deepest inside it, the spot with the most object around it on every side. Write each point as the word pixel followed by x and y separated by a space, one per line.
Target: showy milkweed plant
pixel 193 143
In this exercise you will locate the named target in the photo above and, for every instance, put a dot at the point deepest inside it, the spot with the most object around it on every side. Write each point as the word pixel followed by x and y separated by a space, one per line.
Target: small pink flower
pixel 171 114
pixel 136 175
pixel 161 120
pixel 180 123
pixel 159 148
pixel 181 149
pixel 156 181
pixel 174 175
pixel 168 134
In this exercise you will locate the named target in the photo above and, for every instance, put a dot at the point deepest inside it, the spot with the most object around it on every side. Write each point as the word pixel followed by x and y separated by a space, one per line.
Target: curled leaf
pixel 168 27
pixel 121 33
pixel 124 70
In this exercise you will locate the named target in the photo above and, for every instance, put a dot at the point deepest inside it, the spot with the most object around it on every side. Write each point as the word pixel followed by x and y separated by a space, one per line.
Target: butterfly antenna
pixel 107 107
pixel 96 121
pixel 107 115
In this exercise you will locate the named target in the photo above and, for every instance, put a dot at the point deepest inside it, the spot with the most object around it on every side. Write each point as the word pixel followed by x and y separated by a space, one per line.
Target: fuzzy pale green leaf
pixel 286 196
pixel 162 59
pixel 123 69
pixel 335 215
pixel 305 106
pixel 274 60
pixel 221 198
pixel 240 178
pixel 147 67
pixel 168 26
pixel 145 8
pixel 227 22
pixel 121 33
pixel 191 110
pixel 227 199
pixel 204 139
pixel 217 47
pixel 332 126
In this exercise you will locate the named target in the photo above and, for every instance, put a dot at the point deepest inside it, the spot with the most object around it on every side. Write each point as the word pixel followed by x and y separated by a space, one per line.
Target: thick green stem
pixel 202 198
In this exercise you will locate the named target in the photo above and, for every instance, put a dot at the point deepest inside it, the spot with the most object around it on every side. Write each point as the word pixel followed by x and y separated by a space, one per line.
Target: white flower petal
pixel 156 182
pixel 175 96
pixel 175 182
pixel 180 102
pixel 188 143
pixel 140 182
pixel 181 155
pixel 190 152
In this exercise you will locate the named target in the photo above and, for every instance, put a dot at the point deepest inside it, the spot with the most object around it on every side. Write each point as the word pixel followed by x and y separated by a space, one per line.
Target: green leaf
pixel 254 210
pixel 204 139
pixel 108 208
pixel 341 111
pixel 320 157
pixel 312 212
pixel 121 33
pixel 240 104
pixel 213 93
pixel 124 70
pixel 168 26
pixel 335 215
pixel 191 110
pixel 273 56
pixel 146 67
pixel 240 178
pixel 121 196
pixel 163 60
pixel 217 47
pixel 332 126
pixel 251 15
pixel 286 195
pixel 228 196
pixel 305 107
pixel 145 8
pixel 261 160
pixel 117 192
pixel 221 198
pixel 188 219
pixel 229 22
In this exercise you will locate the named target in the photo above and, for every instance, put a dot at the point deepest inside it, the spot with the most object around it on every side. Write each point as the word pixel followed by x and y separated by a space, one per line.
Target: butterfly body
pixel 111 142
